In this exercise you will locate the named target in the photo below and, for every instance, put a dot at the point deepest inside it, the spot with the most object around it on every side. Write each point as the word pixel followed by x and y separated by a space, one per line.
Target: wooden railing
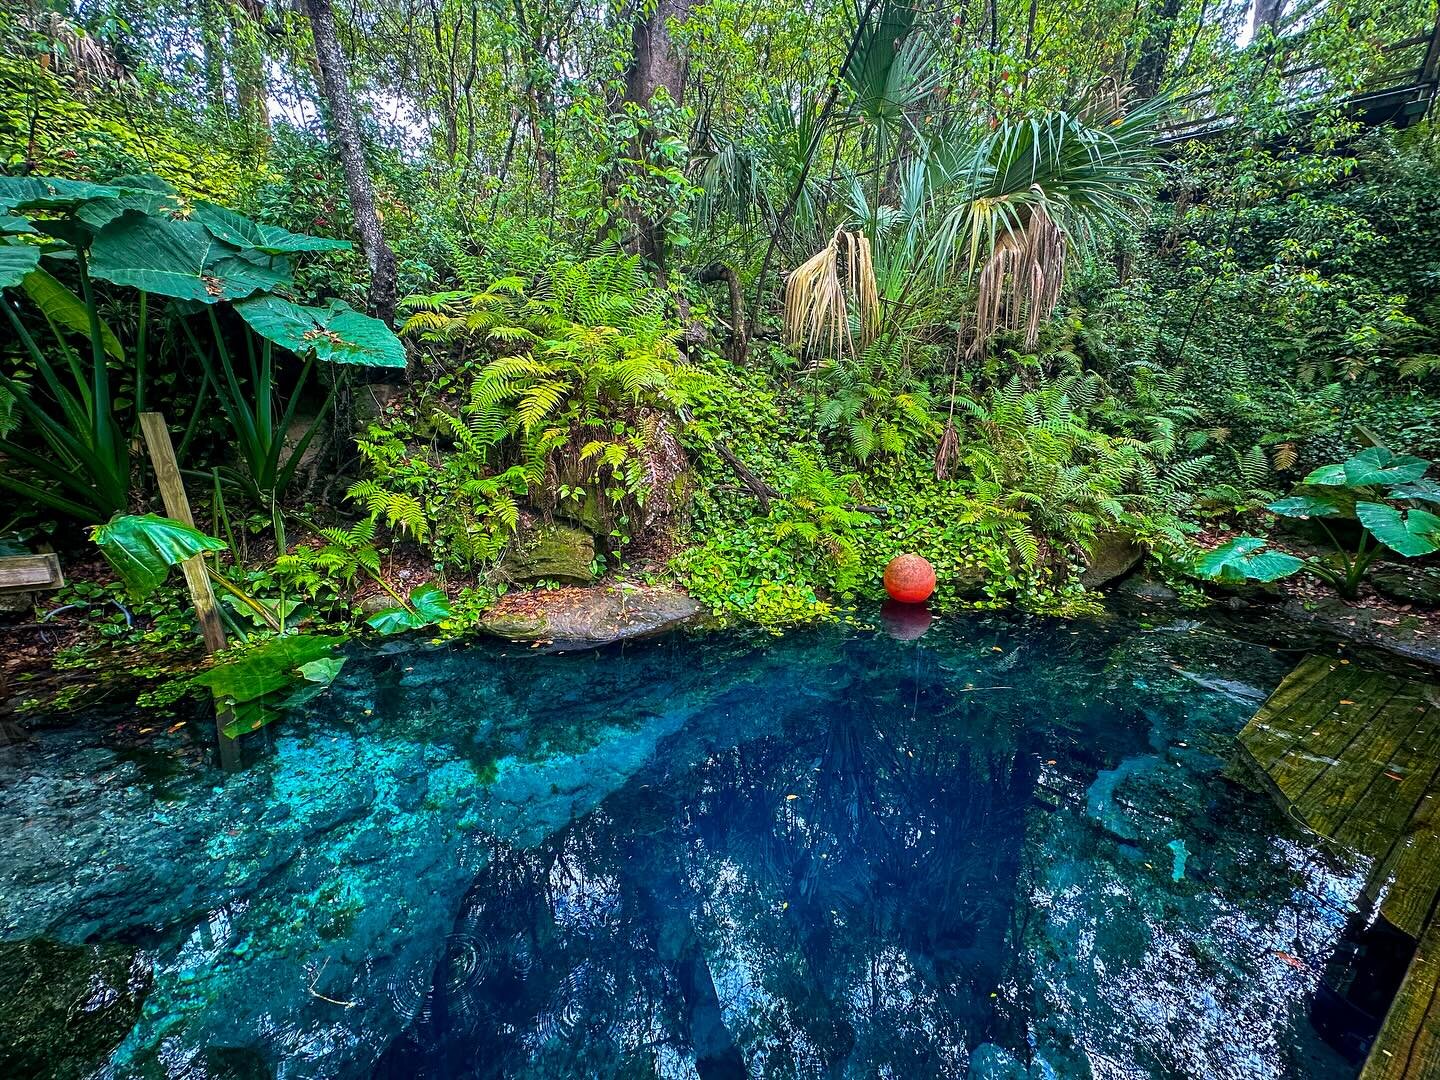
pixel 1400 92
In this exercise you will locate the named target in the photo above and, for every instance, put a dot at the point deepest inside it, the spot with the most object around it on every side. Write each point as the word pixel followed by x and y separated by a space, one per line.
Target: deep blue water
pixel 1006 849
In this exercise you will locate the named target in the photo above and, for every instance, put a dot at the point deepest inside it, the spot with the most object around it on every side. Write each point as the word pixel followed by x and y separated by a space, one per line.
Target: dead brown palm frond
pixel 819 292
pixel 73 50
pixel 947 454
pixel 1020 283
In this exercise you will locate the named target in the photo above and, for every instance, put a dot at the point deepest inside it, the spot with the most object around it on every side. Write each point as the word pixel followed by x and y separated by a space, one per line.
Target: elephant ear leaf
pixel 1414 533
pixel 62 307
pixel 239 231
pixel 1306 506
pixel 1245 559
pixel 50 193
pixel 180 258
pixel 1378 465
pixel 143 548
pixel 18 258
pixel 1421 491
pixel 336 333
pixel 259 683
pixel 428 605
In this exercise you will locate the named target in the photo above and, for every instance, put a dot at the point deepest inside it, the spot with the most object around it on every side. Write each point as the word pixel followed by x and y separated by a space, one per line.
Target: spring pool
pixel 1009 848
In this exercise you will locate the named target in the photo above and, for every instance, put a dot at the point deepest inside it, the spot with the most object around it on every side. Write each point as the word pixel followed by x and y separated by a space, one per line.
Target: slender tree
pixel 345 135
pixel 655 64
pixel 1155 48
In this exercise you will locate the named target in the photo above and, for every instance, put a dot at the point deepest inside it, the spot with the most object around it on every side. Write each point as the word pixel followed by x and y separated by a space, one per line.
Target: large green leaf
pixel 336 332
pixel 1307 506
pixel 172 257
pixel 50 193
pixel 1414 533
pixel 67 310
pixel 1421 491
pixel 259 683
pixel 1379 466
pixel 428 605
pixel 1244 559
pixel 241 232
pixel 17 259
pixel 14 225
pixel 143 548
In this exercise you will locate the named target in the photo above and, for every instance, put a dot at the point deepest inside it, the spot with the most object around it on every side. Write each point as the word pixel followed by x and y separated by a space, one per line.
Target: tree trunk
pixel 345 134
pixel 655 62
pixel 1155 49
pixel 1269 13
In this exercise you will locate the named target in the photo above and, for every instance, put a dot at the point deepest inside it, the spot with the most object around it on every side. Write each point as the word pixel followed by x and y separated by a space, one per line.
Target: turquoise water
pixel 1004 849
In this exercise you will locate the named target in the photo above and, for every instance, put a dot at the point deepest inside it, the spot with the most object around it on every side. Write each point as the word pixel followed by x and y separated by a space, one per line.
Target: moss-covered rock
pixel 594 616
pixel 1113 555
pixel 550 552
pixel 1408 584
pixel 66 1007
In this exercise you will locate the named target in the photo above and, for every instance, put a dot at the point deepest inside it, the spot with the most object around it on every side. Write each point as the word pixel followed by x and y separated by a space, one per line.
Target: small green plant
pixel 1376 489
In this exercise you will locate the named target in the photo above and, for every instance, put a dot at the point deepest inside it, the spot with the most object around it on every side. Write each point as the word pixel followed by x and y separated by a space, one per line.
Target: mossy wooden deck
pixel 1355 755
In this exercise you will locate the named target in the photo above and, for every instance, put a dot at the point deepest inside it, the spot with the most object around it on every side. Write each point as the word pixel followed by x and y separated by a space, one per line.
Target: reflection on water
pixel 999 851
pixel 978 848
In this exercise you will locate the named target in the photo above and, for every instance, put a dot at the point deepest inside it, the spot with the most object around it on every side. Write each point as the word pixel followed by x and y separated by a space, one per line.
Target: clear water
pixel 1006 849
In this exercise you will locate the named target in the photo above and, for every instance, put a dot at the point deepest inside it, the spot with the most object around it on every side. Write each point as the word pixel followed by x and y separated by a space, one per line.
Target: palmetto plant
pixel 822 294
pixel 998 213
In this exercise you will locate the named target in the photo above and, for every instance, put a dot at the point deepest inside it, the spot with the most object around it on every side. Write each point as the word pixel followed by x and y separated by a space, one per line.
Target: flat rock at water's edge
pixel 594 616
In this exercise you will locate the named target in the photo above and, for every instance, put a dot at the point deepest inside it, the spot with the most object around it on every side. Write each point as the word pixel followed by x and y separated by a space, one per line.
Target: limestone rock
pixel 1113 555
pixel 550 551
pixel 1410 585
pixel 594 616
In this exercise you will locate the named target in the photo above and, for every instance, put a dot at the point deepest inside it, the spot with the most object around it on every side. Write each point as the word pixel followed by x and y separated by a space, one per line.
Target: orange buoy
pixel 910 579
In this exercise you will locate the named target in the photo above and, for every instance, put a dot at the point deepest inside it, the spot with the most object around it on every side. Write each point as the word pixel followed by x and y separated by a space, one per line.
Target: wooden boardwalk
pixel 1355 755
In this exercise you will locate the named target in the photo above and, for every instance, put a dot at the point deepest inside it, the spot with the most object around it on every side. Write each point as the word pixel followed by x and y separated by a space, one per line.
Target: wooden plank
pixel 30 573
pixel 1417 763
pixel 1408 1045
pixel 177 506
pixel 1412 872
pixel 1273 728
pixel 197 578
pixel 1331 800
pixel 1340 715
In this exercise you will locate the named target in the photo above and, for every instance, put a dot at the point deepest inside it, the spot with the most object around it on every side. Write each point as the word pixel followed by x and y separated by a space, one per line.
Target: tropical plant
pixel 873 405
pixel 143 548
pixel 815 511
pixel 1377 489
pixel 1034 452
pixel 140 233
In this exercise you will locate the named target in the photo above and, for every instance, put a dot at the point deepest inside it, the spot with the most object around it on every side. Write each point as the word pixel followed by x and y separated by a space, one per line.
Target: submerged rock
pixel 66 1007
pixel 596 616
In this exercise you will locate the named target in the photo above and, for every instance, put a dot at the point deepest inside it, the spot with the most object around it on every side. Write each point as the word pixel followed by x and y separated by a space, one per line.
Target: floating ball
pixel 909 579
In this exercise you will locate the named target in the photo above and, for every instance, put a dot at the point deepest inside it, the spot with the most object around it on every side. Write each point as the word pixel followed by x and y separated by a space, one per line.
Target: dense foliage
pixel 756 295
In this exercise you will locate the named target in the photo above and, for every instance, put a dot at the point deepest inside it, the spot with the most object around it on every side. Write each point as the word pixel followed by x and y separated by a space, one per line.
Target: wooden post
pixel 197 579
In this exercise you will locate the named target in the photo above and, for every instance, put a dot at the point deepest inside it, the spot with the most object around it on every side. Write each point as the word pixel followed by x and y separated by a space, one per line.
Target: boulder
pixel 550 552
pixel 589 617
pixel 1408 584
pixel 66 1007
pixel 1112 555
